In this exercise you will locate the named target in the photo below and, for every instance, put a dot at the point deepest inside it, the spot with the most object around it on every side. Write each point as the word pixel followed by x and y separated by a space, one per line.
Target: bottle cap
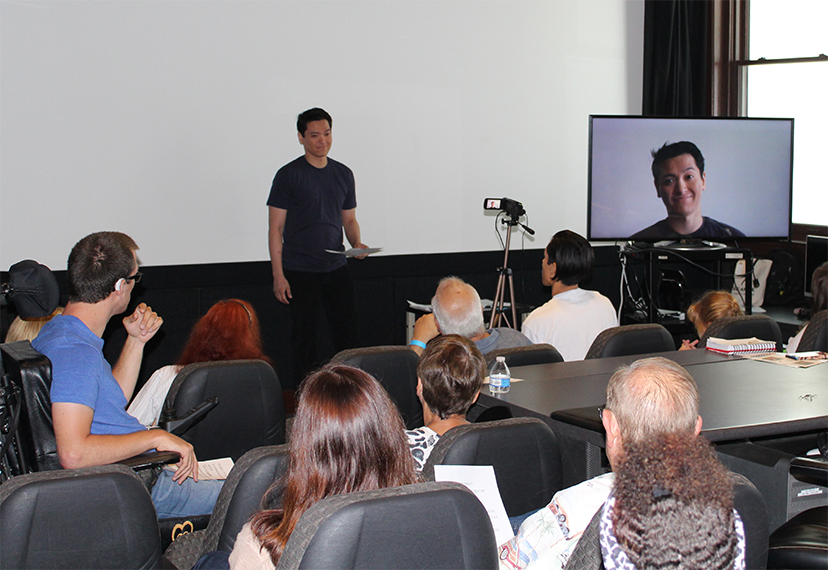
pixel 501 359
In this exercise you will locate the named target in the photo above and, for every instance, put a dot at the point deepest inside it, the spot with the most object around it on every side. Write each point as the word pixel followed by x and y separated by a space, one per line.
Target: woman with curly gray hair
pixel 672 507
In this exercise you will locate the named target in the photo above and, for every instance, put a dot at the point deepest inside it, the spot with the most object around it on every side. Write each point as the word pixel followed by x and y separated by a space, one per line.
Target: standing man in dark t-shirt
pixel 313 198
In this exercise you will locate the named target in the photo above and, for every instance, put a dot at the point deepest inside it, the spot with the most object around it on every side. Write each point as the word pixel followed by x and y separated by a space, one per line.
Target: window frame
pixel 728 68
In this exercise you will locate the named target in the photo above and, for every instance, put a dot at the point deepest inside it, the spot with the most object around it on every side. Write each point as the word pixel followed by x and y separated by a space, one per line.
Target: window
pixel 787 76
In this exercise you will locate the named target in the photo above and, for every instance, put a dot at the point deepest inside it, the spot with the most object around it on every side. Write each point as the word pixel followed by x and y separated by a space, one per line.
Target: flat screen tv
pixel 744 193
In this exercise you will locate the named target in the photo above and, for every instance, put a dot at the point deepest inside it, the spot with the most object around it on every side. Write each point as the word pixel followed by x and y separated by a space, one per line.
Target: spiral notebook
pixel 740 345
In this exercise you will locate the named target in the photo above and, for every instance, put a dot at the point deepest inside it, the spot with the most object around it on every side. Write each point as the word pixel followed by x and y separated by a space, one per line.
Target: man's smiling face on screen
pixel 680 185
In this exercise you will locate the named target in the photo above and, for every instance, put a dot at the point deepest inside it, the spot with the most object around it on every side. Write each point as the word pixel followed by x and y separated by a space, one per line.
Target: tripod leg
pixel 512 299
pixel 497 305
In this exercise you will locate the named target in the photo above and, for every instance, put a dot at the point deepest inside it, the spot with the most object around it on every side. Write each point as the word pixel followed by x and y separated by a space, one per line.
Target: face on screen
pixel 680 186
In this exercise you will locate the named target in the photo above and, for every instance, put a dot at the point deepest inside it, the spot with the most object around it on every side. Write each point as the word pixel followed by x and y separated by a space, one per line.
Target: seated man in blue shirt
pixel 89 397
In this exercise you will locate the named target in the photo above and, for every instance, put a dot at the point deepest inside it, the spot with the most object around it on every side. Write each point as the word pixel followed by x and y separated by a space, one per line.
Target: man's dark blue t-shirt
pixel 710 228
pixel 314 199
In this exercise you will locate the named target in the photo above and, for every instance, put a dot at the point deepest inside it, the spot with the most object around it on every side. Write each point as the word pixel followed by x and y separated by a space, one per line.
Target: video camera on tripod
pixel 514 210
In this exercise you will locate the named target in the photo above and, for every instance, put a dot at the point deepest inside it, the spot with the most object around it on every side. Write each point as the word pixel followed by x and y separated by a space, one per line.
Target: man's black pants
pixel 331 292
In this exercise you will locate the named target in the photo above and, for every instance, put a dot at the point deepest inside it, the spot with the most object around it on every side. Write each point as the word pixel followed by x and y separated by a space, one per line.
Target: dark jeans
pixel 219 560
pixel 313 293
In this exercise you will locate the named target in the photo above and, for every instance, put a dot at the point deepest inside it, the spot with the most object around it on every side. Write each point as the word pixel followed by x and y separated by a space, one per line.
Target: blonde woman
pixel 713 305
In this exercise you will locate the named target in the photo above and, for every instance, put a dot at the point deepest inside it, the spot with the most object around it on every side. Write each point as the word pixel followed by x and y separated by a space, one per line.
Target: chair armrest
pixel 150 459
pixel 178 426
pixel 810 471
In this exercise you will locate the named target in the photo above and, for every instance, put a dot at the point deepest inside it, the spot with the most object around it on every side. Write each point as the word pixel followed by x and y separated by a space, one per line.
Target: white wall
pixel 167 120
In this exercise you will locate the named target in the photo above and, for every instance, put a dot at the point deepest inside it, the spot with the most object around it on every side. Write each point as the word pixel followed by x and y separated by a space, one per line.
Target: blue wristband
pixel 419 343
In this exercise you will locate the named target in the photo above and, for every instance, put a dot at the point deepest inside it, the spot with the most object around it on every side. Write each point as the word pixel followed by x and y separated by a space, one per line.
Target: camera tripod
pixel 505 274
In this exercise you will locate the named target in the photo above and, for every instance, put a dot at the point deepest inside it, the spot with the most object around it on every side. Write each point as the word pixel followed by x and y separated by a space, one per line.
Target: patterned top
pixel 548 538
pixel 421 441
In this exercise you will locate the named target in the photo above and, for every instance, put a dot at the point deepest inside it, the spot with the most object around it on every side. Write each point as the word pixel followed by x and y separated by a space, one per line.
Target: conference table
pixel 740 398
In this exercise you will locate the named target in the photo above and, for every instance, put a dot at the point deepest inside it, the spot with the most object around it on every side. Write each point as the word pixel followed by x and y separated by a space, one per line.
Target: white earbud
pixel 119 284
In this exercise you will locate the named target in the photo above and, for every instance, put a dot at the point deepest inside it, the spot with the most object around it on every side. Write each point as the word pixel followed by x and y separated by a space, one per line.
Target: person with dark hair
pixel 229 331
pixel 678 175
pixel 347 437
pixel 819 287
pixel 671 507
pixel 449 378
pixel 311 200
pixel 645 400
pixel 457 310
pixel 89 397
pixel 572 319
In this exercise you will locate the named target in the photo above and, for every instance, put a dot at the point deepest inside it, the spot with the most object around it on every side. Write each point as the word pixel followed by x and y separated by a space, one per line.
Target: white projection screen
pixel 168 119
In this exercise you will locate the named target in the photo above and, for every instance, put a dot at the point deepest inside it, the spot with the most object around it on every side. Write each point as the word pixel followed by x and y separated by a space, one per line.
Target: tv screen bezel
pixel 750 238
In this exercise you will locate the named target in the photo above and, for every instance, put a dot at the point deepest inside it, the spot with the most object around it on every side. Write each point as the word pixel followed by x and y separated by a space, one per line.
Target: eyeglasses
pixel 601 412
pixel 136 277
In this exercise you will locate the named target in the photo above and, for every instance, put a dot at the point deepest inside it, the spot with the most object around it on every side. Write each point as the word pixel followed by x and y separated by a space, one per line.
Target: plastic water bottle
pixel 500 379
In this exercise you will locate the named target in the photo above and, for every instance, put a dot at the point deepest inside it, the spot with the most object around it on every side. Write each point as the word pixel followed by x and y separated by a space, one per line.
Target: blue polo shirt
pixel 81 375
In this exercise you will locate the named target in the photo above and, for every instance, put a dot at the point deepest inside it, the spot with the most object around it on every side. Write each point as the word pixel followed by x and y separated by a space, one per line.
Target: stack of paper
pixel 740 345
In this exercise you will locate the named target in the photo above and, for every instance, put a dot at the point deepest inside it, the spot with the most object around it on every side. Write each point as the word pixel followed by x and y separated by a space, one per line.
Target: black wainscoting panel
pixel 182 294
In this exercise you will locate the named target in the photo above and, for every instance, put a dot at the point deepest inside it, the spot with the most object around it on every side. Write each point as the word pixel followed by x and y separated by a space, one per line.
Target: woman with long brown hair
pixel 229 331
pixel 347 436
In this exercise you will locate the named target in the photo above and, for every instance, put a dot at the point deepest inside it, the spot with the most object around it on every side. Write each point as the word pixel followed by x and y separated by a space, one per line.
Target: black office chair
pixel 250 412
pixel 31 436
pixel 747 326
pixel 32 446
pixel 748 502
pixel 96 517
pixel 395 367
pixel 628 340
pixel 425 525
pixel 815 336
pixel 29 374
pixel 239 498
pixel 802 542
pixel 526 355
pixel 523 451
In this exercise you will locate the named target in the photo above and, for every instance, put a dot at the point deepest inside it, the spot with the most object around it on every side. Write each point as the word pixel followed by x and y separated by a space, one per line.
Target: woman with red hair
pixel 229 331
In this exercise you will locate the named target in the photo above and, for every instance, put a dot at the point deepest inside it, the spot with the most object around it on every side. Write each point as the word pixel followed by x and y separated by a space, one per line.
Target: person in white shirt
pixel 572 319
